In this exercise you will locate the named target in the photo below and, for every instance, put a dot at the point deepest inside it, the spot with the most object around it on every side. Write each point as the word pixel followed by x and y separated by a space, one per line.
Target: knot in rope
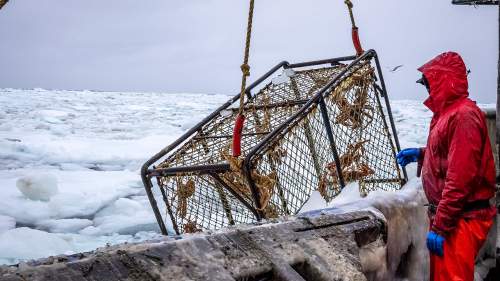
pixel 245 68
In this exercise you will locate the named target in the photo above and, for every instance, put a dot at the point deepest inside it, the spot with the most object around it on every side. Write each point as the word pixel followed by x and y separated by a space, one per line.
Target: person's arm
pixel 465 141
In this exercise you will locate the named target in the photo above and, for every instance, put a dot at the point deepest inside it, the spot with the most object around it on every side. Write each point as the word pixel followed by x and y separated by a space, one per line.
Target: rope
pixel 245 68
pixel 183 193
pixel 355 34
pixel 351 14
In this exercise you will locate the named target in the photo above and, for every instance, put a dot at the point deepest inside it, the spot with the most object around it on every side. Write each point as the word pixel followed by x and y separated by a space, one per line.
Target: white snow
pixel 94 143
pixel 40 187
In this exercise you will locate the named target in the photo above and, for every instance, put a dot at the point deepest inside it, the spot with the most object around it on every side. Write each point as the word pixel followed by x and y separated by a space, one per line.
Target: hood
pixel 447 77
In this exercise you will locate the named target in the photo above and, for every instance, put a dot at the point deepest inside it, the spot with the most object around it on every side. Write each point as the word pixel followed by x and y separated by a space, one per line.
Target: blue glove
pixel 435 243
pixel 408 155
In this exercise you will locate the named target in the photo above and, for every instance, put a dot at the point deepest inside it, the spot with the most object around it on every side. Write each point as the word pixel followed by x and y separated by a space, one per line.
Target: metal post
pixel 389 110
pixel 255 192
pixel 308 133
pixel 243 201
pixel 149 191
pixel 170 213
pixel 329 132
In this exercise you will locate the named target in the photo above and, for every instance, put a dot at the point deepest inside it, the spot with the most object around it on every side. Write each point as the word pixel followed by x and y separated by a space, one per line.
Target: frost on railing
pixel 309 129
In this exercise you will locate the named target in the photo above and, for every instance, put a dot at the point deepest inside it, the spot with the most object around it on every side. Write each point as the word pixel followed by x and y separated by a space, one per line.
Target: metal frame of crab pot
pixel 149 171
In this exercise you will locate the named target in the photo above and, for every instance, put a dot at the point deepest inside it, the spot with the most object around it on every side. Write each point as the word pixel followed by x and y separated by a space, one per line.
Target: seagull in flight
pixel 396 68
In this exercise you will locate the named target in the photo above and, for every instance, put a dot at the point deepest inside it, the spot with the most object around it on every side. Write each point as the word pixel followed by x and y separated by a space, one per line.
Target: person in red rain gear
pixel 457 170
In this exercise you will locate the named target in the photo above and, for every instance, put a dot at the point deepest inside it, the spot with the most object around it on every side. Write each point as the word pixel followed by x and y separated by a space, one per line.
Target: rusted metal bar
pixel 319 62
pixel 382 180
pixel 225 203
pixel 333 146
pixel 235 194
pixel 198 169
pixel 229 136
pixel 148 186
pixel 169 209
pixel 273 105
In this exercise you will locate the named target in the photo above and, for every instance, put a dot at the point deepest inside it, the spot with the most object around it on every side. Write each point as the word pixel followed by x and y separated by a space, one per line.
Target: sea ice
pixel 64 225
pixel 125 216
pixel 39 187
pixel 26 243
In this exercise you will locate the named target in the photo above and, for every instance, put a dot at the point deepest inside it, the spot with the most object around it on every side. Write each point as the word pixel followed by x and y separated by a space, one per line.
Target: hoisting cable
pixel 245 69
pixel 2 3
pixel 355 31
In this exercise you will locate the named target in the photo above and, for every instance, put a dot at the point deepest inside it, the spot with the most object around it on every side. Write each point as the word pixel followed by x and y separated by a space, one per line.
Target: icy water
pixel 93 144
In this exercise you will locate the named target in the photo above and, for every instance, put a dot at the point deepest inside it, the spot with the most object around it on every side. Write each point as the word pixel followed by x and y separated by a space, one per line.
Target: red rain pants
pixel 460 250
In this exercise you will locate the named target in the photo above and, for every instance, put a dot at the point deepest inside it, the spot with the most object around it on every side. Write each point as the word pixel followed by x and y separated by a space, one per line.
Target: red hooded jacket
pixel 458 166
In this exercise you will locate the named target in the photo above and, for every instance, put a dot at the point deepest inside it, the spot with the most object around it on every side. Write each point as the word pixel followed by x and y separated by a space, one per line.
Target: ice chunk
pixel 125 216
pixel 38 187
pixel 84 193
pixel 13 204
pixel 65 225
pixel 6 223
pixel 26 243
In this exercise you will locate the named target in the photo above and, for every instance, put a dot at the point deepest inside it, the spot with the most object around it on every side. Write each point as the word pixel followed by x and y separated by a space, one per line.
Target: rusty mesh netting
pixel 288 150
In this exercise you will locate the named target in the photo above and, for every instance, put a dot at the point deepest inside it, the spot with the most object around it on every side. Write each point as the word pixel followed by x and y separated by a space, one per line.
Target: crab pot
pixel 317 126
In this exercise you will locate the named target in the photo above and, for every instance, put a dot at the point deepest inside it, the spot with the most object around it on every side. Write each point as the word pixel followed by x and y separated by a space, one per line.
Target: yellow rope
pixel 183 193
pixel 245 68
pixel 351 14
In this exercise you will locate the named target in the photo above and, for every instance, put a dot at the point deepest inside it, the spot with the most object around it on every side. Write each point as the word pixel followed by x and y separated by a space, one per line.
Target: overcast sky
pixel 197 45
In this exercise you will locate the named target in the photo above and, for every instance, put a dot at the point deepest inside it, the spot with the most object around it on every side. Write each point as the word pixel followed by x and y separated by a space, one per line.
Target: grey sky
pixel 197 45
